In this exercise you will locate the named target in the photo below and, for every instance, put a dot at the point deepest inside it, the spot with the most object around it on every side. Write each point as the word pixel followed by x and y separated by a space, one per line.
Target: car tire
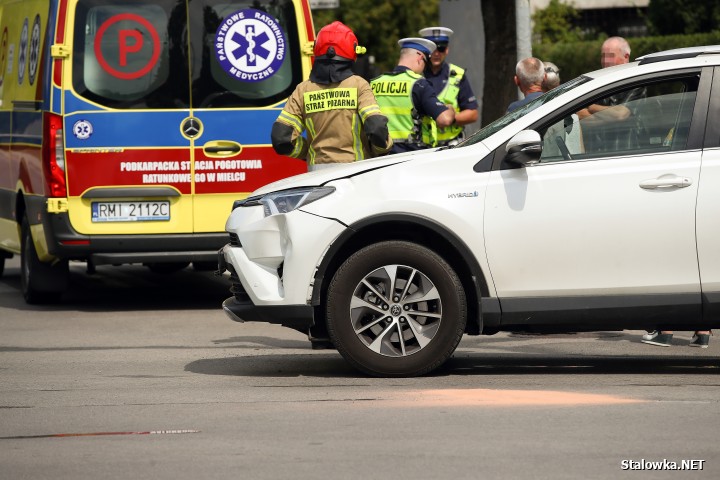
pixel 410 332
pixel 41 282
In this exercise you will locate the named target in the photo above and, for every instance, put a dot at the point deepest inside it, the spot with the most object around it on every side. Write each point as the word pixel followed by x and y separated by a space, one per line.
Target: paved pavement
pixel 139 374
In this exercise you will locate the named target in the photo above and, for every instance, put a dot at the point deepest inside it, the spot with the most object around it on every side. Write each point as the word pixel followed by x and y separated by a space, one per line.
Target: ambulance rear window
pixel 128 54
pixel 132 54
pixel 250 50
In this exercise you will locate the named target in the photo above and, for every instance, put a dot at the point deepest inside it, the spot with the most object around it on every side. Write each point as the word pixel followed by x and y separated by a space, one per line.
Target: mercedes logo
pixel 191 127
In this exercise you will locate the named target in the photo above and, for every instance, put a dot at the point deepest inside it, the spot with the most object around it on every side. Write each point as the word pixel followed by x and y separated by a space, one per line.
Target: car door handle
pixel 222 148
pixel 668 181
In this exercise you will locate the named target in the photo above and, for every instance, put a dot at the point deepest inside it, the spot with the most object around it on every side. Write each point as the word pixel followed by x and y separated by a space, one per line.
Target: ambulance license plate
pixel 130 211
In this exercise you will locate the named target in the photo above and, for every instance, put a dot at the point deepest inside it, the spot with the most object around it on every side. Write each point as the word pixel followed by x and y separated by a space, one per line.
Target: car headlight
pixel 288 200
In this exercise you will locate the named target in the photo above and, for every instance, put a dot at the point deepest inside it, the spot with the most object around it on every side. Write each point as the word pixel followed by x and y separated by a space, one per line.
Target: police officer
pixel 408 100
pixel 451 85
pixel 337 108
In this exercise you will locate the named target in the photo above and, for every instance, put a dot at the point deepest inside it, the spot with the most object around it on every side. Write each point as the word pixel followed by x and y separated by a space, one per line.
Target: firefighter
pixel 336 108
pixel 451 85
pixel 413 110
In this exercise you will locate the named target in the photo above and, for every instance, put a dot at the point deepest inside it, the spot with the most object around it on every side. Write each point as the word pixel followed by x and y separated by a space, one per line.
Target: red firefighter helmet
pixel 336 40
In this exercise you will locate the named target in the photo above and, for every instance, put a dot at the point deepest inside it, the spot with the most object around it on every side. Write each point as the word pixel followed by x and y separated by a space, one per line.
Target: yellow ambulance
pixel 128 128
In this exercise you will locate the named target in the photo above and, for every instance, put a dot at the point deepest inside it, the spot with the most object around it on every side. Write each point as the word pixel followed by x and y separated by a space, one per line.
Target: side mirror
pixel 524 149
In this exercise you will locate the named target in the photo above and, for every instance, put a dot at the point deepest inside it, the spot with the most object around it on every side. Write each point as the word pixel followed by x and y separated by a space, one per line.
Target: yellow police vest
pixel 393 92
pixel 449 96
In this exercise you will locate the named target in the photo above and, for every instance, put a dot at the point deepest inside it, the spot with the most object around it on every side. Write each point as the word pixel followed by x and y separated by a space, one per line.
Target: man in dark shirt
pixel 529 77
pixel 609 123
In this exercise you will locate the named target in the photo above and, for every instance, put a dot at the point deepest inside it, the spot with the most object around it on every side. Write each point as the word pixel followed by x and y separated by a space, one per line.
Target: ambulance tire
pixel 41 282
pixel 166 267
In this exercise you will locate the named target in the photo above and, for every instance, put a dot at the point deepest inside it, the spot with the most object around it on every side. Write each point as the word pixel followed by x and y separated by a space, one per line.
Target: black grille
pixel 235 240
pixel 236 288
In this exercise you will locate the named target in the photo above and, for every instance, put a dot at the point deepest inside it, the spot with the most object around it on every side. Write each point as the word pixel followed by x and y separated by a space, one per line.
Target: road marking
pixel 100 434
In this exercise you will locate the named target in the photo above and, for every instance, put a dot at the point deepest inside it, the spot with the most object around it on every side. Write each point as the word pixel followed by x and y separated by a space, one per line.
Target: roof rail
pixel 688 52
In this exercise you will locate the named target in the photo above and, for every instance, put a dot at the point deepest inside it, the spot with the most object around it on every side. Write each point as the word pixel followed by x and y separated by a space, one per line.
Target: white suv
pixel 550 219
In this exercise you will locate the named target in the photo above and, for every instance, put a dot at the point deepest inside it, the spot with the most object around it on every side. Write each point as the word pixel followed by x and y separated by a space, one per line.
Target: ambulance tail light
pixel 53 156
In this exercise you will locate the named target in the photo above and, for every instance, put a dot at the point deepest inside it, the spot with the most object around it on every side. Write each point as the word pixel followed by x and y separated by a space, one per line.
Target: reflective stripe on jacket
pixel 449 96
pixel 393 92
pixel 333 116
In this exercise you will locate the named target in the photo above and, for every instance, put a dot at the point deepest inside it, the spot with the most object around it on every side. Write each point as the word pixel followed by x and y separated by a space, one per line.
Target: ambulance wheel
pixel 396 309
pixel 166 267
pixel 41 282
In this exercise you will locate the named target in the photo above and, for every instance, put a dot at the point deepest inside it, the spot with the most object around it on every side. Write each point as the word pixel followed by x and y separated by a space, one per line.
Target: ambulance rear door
pixel 126 101
pixel 169 116
pixel 246 59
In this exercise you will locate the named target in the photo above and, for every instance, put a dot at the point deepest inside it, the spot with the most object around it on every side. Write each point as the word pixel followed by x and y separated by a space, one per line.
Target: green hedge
pixel 581 57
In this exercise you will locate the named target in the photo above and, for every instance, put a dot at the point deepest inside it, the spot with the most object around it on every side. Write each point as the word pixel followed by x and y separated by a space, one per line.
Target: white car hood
pixel 320 177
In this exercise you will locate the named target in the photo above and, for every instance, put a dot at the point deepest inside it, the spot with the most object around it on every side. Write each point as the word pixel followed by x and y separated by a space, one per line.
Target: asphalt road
pixel 141 375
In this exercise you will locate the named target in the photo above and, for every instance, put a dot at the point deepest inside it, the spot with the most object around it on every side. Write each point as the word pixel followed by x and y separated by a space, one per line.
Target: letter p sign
pixel 128 50
pixel 129 41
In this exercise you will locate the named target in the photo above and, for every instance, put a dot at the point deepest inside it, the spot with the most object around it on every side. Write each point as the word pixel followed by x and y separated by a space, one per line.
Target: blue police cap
pixel 439 35
pixel 421 44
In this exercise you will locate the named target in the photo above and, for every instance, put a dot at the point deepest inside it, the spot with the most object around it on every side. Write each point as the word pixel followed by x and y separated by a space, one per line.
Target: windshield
pixel 506 120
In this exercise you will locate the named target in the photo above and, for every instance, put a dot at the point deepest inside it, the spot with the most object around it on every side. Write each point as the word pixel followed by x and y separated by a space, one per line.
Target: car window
pixel 130 54
pixel 646 118
pixel 134 53
pixel 219 82
pixel 507 119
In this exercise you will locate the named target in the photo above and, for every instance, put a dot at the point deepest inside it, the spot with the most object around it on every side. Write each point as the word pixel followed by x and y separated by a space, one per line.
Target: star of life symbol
pixel 82 129
pixel 22 57
pixel 34 54
pixel 250 45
